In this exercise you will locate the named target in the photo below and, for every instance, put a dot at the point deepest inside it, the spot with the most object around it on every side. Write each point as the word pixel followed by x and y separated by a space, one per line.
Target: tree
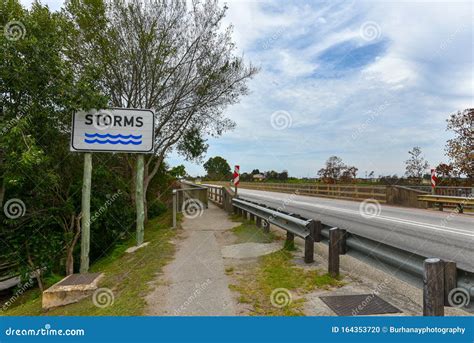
pixel 39 90
pixel 271 175
pixel 445 170
pixel 283 176
pixel 461 147
pixel 255 171
pixel 169 56
pixel 335 169
pixel 416 165
pixel 349 173
pixel 178 172
pixel 217 168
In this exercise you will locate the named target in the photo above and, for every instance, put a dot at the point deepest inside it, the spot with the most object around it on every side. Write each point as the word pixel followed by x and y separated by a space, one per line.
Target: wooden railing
pixel 349 192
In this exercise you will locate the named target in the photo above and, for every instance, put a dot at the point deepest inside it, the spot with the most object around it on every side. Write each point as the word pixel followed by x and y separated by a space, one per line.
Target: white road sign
pixel 113 130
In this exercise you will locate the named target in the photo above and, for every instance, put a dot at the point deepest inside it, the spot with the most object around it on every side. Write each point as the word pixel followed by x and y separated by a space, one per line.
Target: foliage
pixel 43 80
pixel 461 148
pixel 156 208
pixel 335 170
pixel 445 170
pixel 171 56
pixel 133 274
pixel 416 165
pixel 277 271
pixel 217 168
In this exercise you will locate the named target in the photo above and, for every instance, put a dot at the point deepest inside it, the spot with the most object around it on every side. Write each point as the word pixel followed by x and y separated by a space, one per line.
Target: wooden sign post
pixel 112 130
pixel 86 213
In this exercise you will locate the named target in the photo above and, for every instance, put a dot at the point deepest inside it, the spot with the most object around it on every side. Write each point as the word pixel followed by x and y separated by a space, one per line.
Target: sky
pixel 365 81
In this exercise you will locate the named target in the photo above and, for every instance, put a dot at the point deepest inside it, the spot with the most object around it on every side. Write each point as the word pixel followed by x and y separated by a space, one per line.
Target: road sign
pixel 434 179
pixel 113 130
pixel 236 175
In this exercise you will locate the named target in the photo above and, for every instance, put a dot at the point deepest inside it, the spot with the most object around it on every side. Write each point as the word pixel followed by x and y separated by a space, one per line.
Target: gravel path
pixel 196 283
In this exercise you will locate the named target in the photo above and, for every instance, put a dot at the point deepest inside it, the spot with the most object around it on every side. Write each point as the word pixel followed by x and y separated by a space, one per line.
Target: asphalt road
pixel 429 233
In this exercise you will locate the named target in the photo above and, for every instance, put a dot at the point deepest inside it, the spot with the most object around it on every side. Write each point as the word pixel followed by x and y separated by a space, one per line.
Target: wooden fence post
pixel 318 226
pixel 334 251
pixel 86 213
pixel 309 243
pixel 342 242
pixel 450 280
pixel 266 226
pixel 433 287
pixel 290 240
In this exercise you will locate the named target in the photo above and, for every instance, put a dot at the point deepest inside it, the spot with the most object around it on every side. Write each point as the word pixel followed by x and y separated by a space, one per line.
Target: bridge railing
pixel 349 192
pixel 221 195
pixel 191 196
pixel 449 283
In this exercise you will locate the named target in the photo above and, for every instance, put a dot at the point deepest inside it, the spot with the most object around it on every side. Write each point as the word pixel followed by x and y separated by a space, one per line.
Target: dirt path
pixel 195 281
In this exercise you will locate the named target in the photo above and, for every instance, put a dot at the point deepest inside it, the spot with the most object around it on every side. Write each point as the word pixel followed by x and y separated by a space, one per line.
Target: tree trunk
pixel 72 245
pixel 35 271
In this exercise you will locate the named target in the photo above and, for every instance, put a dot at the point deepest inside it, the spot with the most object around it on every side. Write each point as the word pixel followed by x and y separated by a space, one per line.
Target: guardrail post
pixel 433 287
pixel 252 217
pixel 342 241
pixel 318 227
pixel 258 221
pixel 309 243
pixel 244 214
pixel 334 251
pixel 266 226
pixel 290 240
pixel 450 279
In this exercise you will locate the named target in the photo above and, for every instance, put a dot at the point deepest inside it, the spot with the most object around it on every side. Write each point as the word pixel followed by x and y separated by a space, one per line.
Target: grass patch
pixel 127 275
pixel 249 232
pixel 276 271
pixel 229 270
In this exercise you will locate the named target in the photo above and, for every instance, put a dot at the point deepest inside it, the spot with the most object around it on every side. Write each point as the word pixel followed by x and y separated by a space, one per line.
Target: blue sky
pixel 365 81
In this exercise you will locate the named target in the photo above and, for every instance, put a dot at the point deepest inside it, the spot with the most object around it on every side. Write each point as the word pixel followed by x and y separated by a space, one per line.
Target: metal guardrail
pixel 352 244
pixel 299 227
pixel 459 201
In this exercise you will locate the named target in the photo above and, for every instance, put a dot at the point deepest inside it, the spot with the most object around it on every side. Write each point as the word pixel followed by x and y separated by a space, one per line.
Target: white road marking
pixel 386 218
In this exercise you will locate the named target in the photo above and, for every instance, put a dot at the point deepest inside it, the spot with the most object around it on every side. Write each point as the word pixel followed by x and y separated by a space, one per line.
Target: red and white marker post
pixel 434 180
pixel 236 177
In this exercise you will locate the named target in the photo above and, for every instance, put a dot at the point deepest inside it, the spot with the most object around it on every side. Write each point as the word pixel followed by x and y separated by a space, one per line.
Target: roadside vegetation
pixel 248 232
pixel 255 282
pixel 276 273
pixel 126 275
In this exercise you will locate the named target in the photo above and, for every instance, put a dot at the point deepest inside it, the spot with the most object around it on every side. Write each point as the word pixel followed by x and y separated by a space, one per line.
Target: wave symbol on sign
pixel 107 138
